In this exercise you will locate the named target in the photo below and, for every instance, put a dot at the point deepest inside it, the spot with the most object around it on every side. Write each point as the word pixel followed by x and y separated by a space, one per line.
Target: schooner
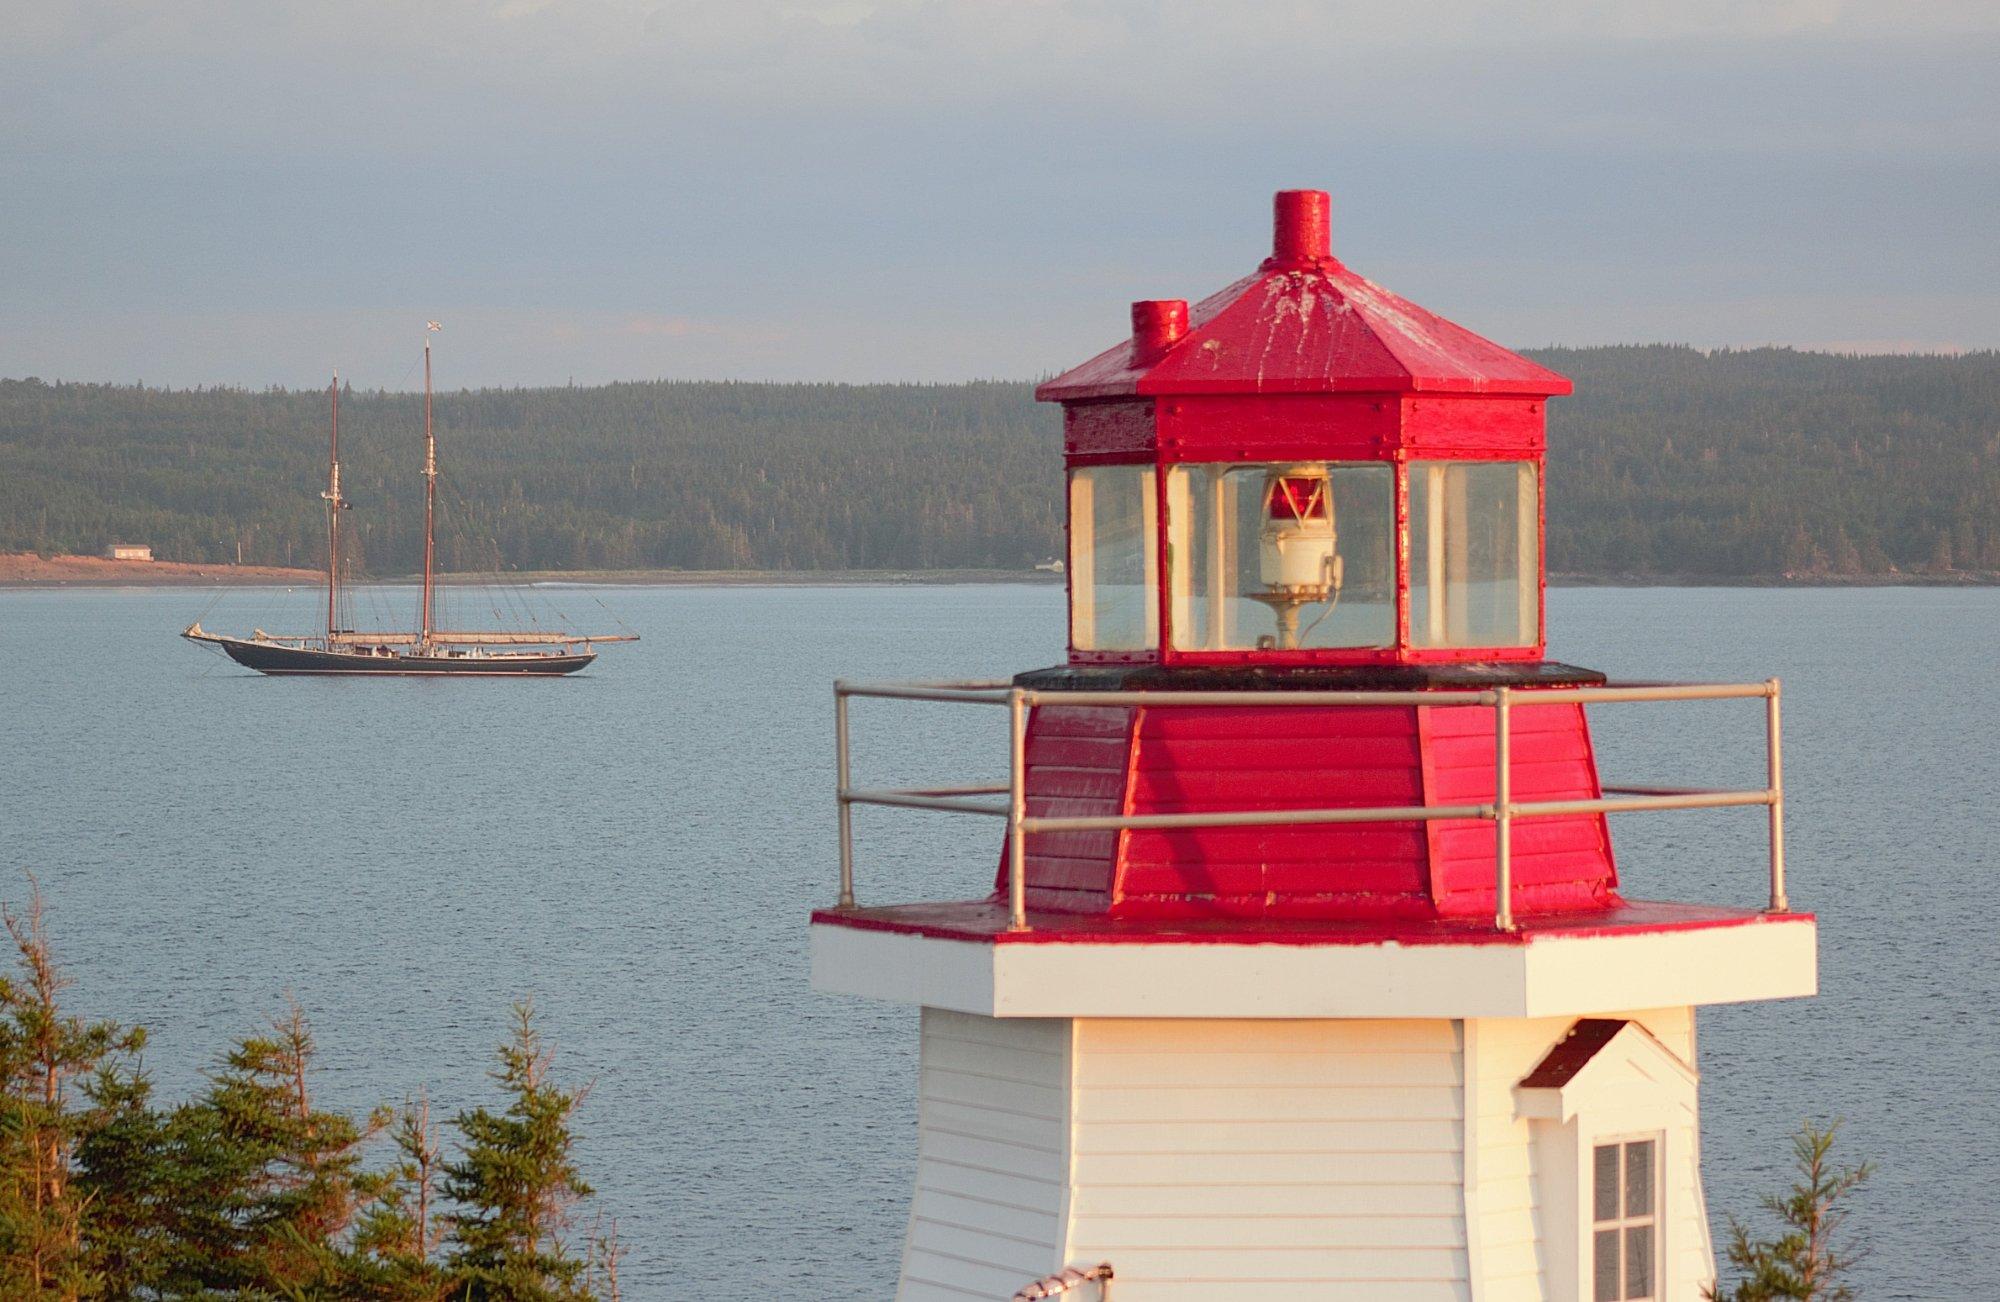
pixel 429 649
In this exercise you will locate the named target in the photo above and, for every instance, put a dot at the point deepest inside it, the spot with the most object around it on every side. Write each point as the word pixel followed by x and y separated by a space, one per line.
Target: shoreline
pixel 24 571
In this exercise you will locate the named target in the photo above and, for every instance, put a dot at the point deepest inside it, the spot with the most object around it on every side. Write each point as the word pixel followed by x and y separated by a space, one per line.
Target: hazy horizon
pixel 229 192
pixel 348 385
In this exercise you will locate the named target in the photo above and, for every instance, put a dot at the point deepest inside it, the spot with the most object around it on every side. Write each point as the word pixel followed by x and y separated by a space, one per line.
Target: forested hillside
pixel 1666 462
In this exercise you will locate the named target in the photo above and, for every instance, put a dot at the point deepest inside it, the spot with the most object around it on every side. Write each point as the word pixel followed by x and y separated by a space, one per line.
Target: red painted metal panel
pixel 1559 863
pixel 1316 329
pixel 986 922
pixel 1345 723
pixel 1510 428
pixel 1289 427
pixel 1085 761
pixel 1107 430
pixel 1277 849
pixel 1262 758
pixel 1078 765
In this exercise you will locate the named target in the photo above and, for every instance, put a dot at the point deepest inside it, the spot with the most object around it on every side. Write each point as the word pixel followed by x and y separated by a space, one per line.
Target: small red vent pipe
pixel 1157 325
pixel 1302 228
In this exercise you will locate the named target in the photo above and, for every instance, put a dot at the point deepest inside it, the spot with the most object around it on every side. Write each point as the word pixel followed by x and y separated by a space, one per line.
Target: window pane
pixel 1639 1178
pixel 1475 544
pixel 1605 1184
pixel 1639 1261
pixel 1282 556
pixel 1604 1260
pixel 1114 595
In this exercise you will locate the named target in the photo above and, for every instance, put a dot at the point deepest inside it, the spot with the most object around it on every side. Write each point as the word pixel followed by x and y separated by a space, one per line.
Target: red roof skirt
pixel 1304 323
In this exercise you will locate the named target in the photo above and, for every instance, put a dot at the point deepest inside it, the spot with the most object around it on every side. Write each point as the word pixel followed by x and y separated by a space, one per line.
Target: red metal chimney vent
pixel 1157 325
pixel 1302 226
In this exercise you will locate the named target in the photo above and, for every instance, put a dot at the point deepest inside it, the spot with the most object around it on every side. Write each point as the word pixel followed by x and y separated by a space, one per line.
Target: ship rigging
pixel 429 650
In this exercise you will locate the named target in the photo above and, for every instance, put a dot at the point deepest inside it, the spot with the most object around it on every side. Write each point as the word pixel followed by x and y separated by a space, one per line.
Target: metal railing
pixel 1502 811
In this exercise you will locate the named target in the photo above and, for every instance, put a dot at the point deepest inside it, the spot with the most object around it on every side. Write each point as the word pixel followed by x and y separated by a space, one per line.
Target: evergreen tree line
pixel 252 1190
pixel 1667 461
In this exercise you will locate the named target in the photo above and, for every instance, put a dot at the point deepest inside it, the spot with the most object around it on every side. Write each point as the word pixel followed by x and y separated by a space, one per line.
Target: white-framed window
pixel 1475 554
pixel 1113 575
pixel 1625 1219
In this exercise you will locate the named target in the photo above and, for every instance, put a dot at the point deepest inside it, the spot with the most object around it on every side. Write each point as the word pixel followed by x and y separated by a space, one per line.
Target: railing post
pixel 841 785
pixel 1775 760
pixel 1017 809
pixel 1503 813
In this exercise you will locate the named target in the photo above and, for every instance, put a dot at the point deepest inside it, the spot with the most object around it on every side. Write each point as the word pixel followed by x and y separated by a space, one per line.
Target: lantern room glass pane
pixel 1475 554
pixel 1113 580
pixel 1282 556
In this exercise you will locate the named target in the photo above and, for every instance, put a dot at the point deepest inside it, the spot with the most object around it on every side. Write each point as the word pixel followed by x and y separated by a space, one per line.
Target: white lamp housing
pixel 1298 556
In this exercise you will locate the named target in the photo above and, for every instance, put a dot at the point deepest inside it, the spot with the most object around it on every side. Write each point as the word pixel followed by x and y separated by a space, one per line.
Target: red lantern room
pixel 1307 482
pixel 1304 469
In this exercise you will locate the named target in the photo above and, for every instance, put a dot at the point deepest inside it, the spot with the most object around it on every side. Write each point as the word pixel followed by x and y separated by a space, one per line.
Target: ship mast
pixel 430 495
pixel 335 504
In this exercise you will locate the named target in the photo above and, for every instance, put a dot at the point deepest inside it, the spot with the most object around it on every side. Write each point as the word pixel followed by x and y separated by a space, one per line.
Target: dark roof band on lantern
pixel 1301 323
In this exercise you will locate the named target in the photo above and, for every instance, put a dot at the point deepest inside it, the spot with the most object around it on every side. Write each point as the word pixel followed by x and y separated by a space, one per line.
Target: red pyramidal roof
pixel 1302 323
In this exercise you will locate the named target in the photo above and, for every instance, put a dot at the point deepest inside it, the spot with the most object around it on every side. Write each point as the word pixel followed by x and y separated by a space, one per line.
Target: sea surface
pixel 638 848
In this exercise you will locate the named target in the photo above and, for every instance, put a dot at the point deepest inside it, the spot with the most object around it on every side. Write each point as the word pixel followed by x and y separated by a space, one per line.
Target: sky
pixel 254 192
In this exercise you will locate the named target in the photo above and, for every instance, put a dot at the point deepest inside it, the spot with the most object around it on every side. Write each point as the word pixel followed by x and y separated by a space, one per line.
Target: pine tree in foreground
pixel 397 1239
pixel 45 1056
pixel 135 1178
pixel 250 1192
pixel 515 1183
pixel 293 1182
pixel 1805 1262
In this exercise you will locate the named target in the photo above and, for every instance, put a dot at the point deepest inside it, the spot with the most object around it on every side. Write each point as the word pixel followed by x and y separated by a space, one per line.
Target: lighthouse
pixel 1306 971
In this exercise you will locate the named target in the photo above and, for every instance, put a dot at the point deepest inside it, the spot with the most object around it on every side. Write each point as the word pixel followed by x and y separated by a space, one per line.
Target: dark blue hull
pixel 275 658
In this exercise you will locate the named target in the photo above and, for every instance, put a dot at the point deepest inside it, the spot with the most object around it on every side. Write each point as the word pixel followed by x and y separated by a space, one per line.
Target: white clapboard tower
pixel 1306 973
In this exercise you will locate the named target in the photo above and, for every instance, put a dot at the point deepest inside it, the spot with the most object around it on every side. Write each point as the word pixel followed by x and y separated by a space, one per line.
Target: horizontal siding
pixel 1368 1169
pixel 1502 1051
pixel 1343 1039
pixel 1362 1067
pixel 1687 1234
pixel 1227 1266
pixel 1269 1159
pixel 1321 1199
pixel 1298 1103
pixel 1290 1290
pixel 1000 1217
pixel 1287 1136
pixel 992 1138
pixel 1347 1233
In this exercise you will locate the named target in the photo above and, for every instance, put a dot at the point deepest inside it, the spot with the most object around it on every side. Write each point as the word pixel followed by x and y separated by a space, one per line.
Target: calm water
pixel 638 848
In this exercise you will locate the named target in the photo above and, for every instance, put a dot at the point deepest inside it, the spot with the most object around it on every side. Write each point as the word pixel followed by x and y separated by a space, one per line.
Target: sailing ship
pixel 429 650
